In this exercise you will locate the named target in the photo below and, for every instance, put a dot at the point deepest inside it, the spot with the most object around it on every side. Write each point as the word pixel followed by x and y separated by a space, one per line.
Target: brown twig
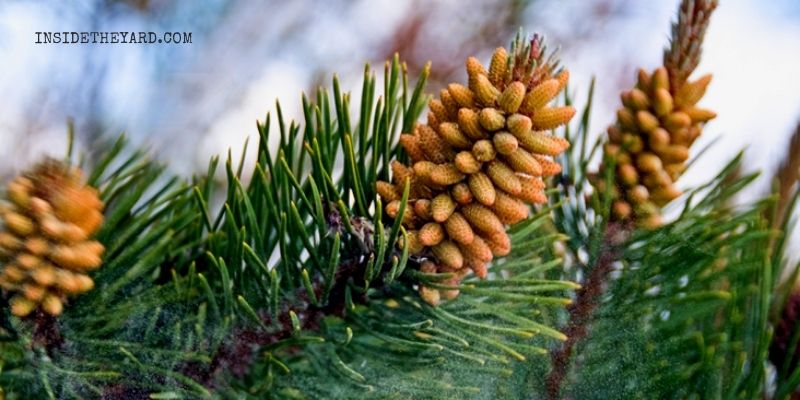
pixel 683 54
pixel 787 175
pixel 582 310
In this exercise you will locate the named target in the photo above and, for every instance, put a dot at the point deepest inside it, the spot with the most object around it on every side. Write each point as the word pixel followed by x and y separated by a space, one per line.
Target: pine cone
pixel 45 246
pixel 650 142
pixel 479 162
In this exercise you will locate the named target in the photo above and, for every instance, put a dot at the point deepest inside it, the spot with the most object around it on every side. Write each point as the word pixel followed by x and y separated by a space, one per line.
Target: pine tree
pixel 375 256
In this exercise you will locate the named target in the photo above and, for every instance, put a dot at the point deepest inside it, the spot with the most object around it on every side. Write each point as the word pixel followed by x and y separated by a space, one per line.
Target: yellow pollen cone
pixel 523 161
pixel 431 234
pixel 492 119
pixel 452 135
pixel 512 97
pixel 458 229
pixel 505 143
pixel 482 188
pixel 503 176
pixel 498 66
pixel 462 194
pixel 461 94
pixel 467 163
pixel 469 123
pixel 551 118
pixel 448 254
pixel 442 206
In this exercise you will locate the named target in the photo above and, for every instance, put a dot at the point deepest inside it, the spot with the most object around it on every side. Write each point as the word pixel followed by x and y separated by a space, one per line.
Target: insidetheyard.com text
pixel 113 37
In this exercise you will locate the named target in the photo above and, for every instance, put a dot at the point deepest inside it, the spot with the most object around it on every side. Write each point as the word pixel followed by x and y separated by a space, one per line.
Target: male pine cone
pixel 649 143
pixel 478 163
pixel 45 246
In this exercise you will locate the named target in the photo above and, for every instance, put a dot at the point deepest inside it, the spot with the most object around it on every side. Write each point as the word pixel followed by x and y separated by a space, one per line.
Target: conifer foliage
pixel 371 255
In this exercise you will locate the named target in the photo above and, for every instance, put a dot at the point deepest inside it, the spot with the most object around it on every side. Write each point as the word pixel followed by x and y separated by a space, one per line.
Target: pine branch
pixel 582 311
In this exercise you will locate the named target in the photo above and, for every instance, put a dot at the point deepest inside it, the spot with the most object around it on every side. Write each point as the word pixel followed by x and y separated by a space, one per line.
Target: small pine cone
pixel 658 139
pixel 491 119
pixel 540 96
pixel 697 114
pixel 632 143
pixel 421 170
pixel 657 179
pixel 446 174
pixel 621 210
pixel 646 121
pixel 651 221
pixel 643 80
pixel 519 125
pixel 626 119
pixel 430 295
pixel 434 146
pixel 676 121
pixel 442 207
pixel 637 100
pixel 648 163
pixel 477 250
pixel 503 176
pixel 563 79
pixel 664 194
pixel 674 170
pixel 433 122
pixel 660 80
pixel 628 175
pixel 482 218
pixel 458 229
pixel 448 254
pixel 500 243
pixel 505 143
pixel 400 173
pixel 638 194
pixel 662 102
pixel 478 267
pixel 469 122
pixel 467 163
pixel 412 147
pixel 532 190
pixel 549 167
pixel 478 160
pixel 691 93
pixel 45 245
pixel 423 210
pixel 450 294
pixel 461 94
pixel 482 188
pixel 522 161
pixel 544 143
pixel 393 209
pixel 674 154
pixel 498 66
pixel 439 110
pixel 414 245
pixel 512 97
pixel 386 191
pixel 485 92
pixel 474 69
pixel 551 118
pixel 484 150
pixel 509 209
pixel 449 103
pixel 461 193
pixel 453 136
pixel 431 234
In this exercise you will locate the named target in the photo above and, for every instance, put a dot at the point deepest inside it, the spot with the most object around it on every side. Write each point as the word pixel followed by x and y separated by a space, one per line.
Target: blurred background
pixel 188 102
